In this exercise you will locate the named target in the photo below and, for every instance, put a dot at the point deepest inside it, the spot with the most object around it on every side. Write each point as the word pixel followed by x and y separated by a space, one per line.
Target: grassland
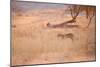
pixel 34 43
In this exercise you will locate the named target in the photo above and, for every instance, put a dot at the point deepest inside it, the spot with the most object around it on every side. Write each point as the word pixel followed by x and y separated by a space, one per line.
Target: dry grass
pixel 34 43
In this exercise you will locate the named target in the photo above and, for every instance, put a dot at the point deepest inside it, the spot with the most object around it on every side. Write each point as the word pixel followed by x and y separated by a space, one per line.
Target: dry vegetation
pixel 33 42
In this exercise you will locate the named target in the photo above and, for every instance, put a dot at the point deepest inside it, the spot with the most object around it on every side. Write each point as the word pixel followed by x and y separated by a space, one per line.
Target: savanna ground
pixel 35 43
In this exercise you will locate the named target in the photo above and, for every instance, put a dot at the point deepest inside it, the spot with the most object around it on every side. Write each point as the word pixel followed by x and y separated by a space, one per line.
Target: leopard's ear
pixel 48 23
